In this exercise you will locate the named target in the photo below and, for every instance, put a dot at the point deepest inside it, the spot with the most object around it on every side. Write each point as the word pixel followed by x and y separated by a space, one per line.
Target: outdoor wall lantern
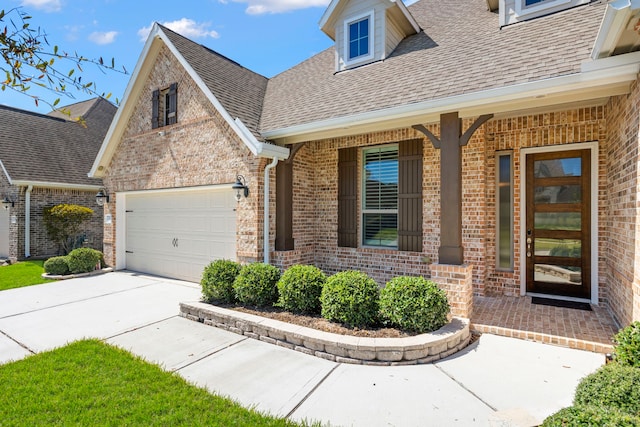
pixel 240 187
pixel 7 203
pixel 102 197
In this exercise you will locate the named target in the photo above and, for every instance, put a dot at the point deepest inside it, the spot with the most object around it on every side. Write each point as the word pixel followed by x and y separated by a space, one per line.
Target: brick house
pixel 44 161
pixel 491 145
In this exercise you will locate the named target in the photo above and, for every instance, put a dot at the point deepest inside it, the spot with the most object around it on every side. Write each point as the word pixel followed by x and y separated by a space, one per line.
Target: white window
pixel 526 7
pixel 358 38
pixel 380 196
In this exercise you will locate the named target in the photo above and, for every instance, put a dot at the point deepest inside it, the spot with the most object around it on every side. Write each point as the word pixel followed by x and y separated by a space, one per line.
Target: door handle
pixel 529 242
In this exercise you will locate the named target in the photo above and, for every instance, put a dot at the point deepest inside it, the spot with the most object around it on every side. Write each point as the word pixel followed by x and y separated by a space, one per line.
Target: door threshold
pixel 558 297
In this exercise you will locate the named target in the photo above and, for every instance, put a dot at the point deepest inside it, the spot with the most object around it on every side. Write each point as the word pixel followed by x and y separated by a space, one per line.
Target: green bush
pixel 350 297
pixel 590 416
pixel 83 260
pixel 627 349
pixel 257 284
pixel 413 304
pixel 300 288
pixel 217 281
pixel 613 386
pixel 57 265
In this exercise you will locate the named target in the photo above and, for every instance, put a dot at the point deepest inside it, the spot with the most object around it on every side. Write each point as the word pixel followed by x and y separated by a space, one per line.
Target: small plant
pixel 217 281
pixel 84 260
pixel 64 224
pixel 590 416
pixel 300 288
pixel 350 297
pixel 627 349
pixel 256 284
pixel 57 265
pixel 414 304
pixel 613 386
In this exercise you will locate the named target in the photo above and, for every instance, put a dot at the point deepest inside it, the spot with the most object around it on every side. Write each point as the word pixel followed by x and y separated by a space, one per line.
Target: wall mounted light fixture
pixel 240 187
pixel 102 197
pixel 7 203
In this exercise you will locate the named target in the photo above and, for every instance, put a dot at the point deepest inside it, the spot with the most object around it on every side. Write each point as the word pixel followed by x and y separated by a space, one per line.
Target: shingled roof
pixel 44 148
pixel 239 90
pixel 461 50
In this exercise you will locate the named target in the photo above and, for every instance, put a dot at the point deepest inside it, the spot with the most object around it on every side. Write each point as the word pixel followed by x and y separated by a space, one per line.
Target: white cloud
pixel 186 27
pixel 258 7
pixel 106 37
pixel 46 5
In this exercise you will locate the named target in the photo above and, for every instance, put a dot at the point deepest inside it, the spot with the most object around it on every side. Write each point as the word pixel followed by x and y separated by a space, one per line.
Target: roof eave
pixel 614 21
pixel 57 185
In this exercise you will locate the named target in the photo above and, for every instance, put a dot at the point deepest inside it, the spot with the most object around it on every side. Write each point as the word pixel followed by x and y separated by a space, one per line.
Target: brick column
pixel 457 282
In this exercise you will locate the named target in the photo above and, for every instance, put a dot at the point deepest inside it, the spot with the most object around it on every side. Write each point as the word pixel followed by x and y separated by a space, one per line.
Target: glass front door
pixel 558 223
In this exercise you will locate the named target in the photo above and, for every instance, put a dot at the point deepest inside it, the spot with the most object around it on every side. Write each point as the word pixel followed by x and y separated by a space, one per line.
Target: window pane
pixel 558 247
pixel 353 49
pixel 530 2
pixel 353 31
pixel 380 230
pixel 364 46
pixel 381 179
pixel 359 38
pixel 558 167
pixel 565 275
pixel 364 28
pixel 571 221
pixel 505 213
pixel 558 194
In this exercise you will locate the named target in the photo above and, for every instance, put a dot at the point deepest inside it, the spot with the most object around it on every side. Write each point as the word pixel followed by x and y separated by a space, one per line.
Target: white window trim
pixel 522 10
pixel 595 274
pixel 351 20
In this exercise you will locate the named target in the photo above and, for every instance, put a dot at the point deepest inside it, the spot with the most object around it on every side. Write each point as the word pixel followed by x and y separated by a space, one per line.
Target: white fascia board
pixel 57 185
pixel 258 148
pixel 325 19
pixel 613 24
pixel 407 14
pixel 623 68
pixel 125 105
pixel 5 172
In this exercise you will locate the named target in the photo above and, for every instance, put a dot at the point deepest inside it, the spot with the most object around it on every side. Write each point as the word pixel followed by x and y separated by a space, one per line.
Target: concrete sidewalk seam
pixel 139 327
pixel 17 342
pixel 308 395
pixel 211 354
pixel 465 388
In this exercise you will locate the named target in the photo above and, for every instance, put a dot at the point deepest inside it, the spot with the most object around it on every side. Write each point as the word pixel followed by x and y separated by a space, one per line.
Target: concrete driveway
pixel 496 381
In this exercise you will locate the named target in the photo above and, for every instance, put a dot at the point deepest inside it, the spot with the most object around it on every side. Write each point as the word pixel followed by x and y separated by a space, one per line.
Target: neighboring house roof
pixel 45 149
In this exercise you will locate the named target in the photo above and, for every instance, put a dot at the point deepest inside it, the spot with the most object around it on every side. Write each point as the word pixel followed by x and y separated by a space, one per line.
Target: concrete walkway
pixel 496 381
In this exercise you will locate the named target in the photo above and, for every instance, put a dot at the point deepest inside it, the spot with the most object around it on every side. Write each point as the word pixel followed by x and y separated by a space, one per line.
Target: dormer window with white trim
pixel 525 7
pixel 359 38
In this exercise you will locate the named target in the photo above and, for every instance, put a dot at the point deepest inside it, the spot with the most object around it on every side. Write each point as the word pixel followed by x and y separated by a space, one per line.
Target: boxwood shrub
pixel 413 304
pixel 589 416
pixel 613 386
pixel 217 281
pixel 627 349
pixel 256 284
pixel 84 260
pixel 350 297
pixel 56 265
pixel 299 289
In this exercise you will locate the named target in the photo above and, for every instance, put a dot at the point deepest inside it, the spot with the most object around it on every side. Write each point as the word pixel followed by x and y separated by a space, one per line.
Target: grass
pixel 91 383
pixel 21 274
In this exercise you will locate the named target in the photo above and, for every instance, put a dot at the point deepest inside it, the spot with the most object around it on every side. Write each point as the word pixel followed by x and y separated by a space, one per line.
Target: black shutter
pixel 155 110
pixel 172 116
pixel 410 196
pixel 348 197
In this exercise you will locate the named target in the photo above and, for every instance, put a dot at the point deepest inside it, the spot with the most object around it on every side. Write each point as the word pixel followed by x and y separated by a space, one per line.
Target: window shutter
pixel 172 116
pixel 155 110
pixel 348 197
pixel 410 196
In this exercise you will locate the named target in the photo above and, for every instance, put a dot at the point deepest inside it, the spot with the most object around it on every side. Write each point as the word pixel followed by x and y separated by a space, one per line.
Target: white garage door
pixel 176 234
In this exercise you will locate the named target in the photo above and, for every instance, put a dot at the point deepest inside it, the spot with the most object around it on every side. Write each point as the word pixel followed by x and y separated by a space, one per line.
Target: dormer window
pixel 359 38
pixel 527 7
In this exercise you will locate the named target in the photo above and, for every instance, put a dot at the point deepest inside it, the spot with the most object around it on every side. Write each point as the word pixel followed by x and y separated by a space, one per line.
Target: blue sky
pixel 266 36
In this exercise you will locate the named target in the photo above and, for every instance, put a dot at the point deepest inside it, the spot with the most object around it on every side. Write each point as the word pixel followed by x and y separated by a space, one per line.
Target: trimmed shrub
pixel 350 297
pixel 627 349
pixel 256 284
pixel 413 304
pixel 613 386
pixel 590 416
pixel 57 265
pixel 300 288
pixel 83 260
pixel 217 281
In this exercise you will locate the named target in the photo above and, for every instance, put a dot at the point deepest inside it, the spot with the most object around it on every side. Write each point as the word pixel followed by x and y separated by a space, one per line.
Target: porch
pixel 517 317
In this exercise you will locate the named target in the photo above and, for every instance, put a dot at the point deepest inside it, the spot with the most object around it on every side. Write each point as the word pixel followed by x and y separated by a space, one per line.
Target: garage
pixel 177 233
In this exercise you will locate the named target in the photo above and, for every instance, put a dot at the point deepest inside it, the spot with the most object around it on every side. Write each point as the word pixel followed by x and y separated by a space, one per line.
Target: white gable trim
pixel 614 22
pixel 5 172
pixel 142 68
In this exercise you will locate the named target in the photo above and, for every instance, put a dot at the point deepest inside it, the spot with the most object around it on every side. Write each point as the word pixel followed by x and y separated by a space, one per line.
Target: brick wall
pixel 622 208
pixel 200 149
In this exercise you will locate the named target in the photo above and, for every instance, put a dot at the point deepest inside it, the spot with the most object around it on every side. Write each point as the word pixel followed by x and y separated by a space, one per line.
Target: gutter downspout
pixel 27 222
pixel 266 209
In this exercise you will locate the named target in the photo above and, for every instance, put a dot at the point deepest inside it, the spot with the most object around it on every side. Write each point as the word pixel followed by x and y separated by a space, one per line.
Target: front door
pixel 558 224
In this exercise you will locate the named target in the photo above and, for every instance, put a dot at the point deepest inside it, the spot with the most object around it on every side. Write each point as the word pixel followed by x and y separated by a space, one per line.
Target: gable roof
pixel 51 151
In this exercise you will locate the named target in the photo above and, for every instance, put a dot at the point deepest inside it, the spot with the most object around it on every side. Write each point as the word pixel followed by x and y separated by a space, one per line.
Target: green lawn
pixel 89 383
pixel 21 274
